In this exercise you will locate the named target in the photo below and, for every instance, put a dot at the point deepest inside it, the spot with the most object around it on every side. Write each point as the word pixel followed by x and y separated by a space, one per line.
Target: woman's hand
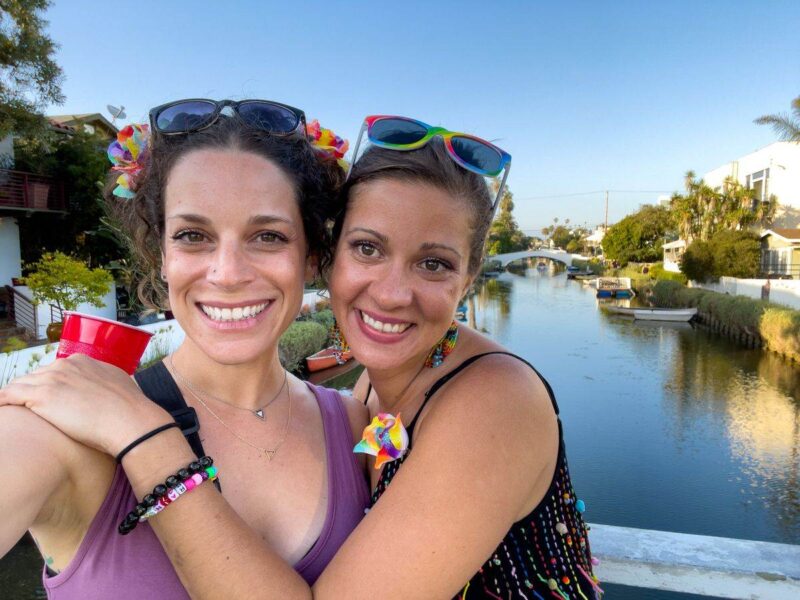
pixel 94 403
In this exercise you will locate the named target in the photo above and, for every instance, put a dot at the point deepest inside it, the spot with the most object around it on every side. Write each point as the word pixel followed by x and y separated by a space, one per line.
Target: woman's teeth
pixel 384 327
pixel 232 314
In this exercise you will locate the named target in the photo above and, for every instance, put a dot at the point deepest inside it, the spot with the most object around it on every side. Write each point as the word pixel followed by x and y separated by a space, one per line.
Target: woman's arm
pixel 489 441
pixel 34 469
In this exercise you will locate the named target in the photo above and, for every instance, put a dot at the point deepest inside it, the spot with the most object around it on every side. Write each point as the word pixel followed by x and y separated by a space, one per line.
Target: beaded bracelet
pixel 166 493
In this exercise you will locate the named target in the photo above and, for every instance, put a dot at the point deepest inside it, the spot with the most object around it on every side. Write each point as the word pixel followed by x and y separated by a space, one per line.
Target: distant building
pixel 594 241
pixel 91 123
pixel 774 169
pixel 673 254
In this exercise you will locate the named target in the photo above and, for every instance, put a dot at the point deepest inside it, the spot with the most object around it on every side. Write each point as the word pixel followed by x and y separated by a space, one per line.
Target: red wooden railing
pixel 32 192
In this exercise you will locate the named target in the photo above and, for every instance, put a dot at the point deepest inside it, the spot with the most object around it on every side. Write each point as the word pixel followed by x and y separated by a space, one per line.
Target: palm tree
pixel 787 126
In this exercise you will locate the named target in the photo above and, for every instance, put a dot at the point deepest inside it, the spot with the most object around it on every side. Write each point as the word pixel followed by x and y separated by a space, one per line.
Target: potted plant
pixel 66 282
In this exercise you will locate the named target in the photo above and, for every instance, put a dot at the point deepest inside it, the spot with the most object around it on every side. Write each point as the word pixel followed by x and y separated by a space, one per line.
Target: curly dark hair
pixel 432 165
pixel 316 178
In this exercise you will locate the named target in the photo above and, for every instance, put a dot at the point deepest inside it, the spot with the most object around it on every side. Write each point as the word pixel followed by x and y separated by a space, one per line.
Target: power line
pixel 593 193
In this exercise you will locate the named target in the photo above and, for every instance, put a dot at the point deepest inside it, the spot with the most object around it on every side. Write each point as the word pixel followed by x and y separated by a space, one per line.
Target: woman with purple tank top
pixel 474 499
pixel 229 217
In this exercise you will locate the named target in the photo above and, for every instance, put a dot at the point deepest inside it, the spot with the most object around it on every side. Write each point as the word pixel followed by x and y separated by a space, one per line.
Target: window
pixel 758 182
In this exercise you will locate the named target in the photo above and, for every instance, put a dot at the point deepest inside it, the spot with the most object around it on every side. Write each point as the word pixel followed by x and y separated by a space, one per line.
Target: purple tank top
pixel 108 565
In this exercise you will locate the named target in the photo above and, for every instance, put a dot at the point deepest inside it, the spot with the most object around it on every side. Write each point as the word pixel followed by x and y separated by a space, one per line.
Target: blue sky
pixel 585 96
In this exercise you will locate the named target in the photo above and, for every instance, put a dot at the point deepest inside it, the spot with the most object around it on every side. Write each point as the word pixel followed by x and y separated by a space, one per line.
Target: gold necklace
pixel 266 452
pixel 258 412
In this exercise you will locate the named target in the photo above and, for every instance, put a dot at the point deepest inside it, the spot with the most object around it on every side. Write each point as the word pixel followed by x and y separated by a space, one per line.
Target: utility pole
pixel 606 227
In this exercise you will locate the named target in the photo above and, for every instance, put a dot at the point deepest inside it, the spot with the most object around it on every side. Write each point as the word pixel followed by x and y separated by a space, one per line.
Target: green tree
pixel 66 282
pixel 787 126
pixel 29 77
pixel 639 236
pixel 504 234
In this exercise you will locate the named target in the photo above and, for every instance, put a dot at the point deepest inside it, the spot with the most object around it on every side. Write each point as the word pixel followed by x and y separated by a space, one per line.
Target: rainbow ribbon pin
pixel 385 438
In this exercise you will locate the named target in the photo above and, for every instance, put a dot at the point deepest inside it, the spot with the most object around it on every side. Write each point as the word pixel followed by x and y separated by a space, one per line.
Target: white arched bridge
pixel 557 255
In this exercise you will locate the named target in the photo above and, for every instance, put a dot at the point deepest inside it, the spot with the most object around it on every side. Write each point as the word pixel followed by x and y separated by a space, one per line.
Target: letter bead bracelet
pixel 164 494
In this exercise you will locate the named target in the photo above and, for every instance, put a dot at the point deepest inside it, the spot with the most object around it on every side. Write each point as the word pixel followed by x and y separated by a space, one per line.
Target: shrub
pixel 780 330
pixel 698 262
pixel 728 253
pixel 324 318
pixel 736 254
pixel 658 273
pixel 13 344
pixel 301 339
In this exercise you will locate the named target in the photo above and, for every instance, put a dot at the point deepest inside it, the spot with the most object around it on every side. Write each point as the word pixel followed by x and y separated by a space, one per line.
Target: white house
pixel 673 253
pixel 773 169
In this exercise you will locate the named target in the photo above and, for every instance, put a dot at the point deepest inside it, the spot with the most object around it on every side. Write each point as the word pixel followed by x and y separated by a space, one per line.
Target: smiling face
pixel 234 253
pixel 401 267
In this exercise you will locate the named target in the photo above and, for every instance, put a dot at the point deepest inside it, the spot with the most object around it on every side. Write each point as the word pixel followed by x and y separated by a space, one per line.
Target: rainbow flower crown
pixel 129 153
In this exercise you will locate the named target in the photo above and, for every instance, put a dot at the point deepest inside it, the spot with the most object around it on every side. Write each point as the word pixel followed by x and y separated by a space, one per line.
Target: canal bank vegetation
pixel 754 323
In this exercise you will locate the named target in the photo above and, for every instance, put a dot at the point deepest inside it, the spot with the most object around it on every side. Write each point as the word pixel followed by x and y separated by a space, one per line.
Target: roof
pixel 58 126
pixel 84 118
pixel 675 244
pixel 790 235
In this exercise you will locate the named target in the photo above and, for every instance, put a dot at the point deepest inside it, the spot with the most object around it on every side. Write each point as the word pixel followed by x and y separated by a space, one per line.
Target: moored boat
pixel 682 315
pixel 614 287
pixel 329 357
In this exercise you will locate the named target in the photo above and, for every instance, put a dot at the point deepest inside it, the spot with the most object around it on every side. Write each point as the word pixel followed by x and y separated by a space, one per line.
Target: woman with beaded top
pixel 229 212
pixel 480 503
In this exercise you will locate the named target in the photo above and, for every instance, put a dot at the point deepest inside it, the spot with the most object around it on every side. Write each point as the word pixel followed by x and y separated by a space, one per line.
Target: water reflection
pixel 669 427
pixel 755 395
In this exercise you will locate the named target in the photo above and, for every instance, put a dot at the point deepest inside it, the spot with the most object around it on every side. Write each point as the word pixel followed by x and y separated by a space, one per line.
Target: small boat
pixel 614 287
pixel 682 315
pixel 329 357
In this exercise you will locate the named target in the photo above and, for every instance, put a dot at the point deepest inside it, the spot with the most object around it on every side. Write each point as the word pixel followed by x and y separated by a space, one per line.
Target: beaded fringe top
pixel 544 555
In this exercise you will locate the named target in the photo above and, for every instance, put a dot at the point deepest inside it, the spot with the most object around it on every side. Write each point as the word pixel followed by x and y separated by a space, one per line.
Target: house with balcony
pixel 780 253
pixel 23 195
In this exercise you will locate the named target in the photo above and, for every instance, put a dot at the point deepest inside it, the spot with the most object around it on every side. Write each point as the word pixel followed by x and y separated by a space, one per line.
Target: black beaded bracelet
pixel 144 438
pixel 161 492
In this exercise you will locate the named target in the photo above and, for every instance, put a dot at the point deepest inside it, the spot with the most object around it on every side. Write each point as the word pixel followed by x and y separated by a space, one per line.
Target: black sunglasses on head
pixel 187 116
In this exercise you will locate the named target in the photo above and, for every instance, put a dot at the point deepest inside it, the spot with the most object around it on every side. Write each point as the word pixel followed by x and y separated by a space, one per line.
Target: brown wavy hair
pixel 315 177
pixel 430 164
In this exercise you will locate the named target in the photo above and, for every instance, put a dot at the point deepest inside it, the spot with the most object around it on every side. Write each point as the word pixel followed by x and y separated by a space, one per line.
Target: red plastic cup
pixel 109 341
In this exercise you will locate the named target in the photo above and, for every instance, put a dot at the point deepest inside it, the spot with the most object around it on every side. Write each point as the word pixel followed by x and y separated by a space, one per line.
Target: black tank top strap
pixel 467 362
pixel 369 391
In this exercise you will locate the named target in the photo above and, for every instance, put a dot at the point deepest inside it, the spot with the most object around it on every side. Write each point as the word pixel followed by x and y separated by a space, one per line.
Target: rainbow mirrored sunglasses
pixel 472 153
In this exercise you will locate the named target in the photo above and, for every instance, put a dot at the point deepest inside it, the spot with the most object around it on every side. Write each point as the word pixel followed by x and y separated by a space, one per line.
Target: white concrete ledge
pixel 696 564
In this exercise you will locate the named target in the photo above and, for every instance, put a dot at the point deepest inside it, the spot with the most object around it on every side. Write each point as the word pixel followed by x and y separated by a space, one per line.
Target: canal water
pixel 667 427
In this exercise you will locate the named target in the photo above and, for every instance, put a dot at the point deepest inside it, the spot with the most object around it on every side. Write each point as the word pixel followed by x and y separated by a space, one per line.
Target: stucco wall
pixel 783 161
pixel 782 291
pixel 10 265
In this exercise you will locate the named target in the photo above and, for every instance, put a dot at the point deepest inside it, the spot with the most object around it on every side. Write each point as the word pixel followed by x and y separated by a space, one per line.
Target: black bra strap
pixel 448 376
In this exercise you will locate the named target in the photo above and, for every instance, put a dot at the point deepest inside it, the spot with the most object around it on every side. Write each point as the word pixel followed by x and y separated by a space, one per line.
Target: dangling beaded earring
pixel 443 348
pixel 337 338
